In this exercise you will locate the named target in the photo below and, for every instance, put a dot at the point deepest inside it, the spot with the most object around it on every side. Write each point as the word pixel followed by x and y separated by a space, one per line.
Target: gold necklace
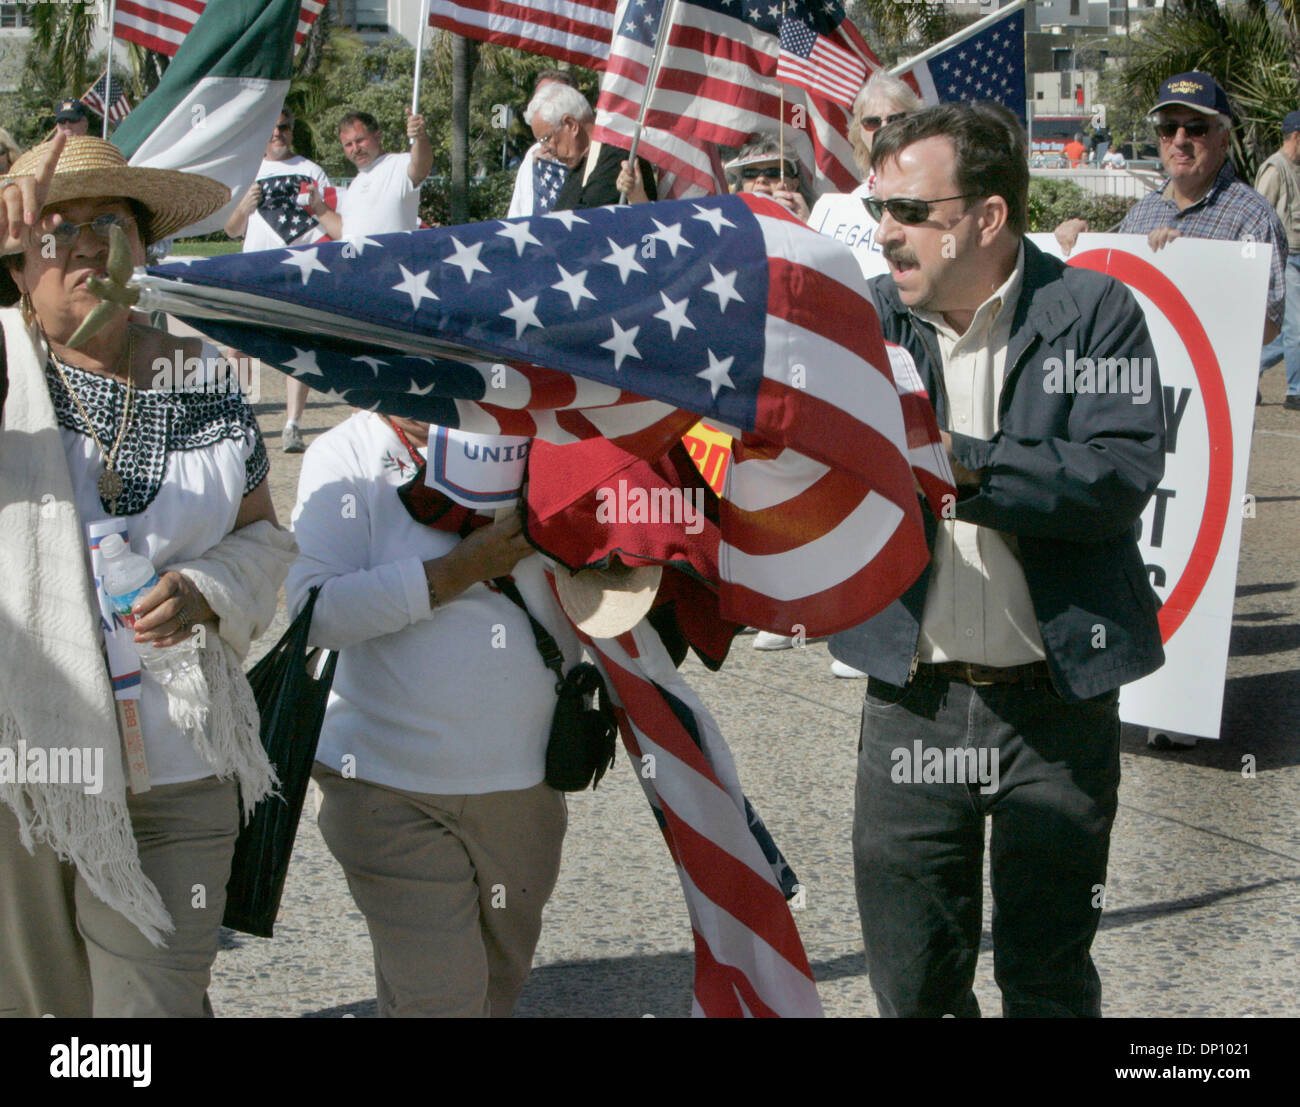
pixel 110 481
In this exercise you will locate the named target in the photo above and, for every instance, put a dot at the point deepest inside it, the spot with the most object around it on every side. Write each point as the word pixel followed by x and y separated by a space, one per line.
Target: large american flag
pixel 161 25
pixel 989 65
pixel 576 31
pixel 719 84
pixel 821 51
pixel 106 96
pixel 629 322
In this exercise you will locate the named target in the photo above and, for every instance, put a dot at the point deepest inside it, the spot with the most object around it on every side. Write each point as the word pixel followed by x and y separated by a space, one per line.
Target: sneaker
pixel 291 439
pixel 1292 403
pixel 1169 740
pixel 848 672
pixel 766 640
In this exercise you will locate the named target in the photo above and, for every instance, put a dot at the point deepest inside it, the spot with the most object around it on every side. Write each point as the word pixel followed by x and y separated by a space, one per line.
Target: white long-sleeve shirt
pixel 449 701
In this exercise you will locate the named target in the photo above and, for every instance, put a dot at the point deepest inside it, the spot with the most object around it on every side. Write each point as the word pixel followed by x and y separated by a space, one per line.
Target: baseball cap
pixel 1195 90
pixel 70 110
pixel 1291 122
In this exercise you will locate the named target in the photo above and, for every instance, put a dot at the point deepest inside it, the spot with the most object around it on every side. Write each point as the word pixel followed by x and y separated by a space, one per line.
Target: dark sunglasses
pixel 875 122
pixel 787 170
pixel 1195 128
pixel 905 209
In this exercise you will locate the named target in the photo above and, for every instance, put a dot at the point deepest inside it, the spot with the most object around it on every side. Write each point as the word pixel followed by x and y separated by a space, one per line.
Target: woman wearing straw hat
pixel 112 901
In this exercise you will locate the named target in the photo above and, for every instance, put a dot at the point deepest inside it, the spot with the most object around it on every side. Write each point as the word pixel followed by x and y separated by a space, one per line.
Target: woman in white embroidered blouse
pixel 113 901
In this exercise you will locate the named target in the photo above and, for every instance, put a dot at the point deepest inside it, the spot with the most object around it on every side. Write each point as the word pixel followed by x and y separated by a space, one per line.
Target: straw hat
pixel 605 603
pixel 92 169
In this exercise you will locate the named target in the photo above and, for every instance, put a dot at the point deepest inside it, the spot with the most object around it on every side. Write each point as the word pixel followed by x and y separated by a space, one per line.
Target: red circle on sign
pixel 1162 292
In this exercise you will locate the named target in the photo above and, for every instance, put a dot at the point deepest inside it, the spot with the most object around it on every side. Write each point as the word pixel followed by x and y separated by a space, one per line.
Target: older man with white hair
pixel 562 122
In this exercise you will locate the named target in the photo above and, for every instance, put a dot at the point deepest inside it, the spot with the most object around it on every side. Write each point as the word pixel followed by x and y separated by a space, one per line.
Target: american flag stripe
pixel 162 25
pixel 568 30
pixel 749 958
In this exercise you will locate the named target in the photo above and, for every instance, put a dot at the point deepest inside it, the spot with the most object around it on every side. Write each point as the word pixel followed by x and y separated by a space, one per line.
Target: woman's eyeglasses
pixel 875 122
pixel 905 209
pixel 787 170
pixel 1195 128
pixel 65 234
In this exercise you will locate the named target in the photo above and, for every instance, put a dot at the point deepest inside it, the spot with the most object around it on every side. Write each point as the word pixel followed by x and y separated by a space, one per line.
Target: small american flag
pixel 161 25
pixel 107 98
pixel 719 85
pixel 812 58
pixel 576 31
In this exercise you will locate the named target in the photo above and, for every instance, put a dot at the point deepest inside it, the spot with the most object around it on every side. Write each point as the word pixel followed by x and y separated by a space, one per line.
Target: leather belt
pixel 980 675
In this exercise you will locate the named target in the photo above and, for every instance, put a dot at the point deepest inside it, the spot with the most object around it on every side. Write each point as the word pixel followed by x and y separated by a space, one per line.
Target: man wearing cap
pixel 271 214
pixel 71 117
pixel 1278 182
pixel 1202 196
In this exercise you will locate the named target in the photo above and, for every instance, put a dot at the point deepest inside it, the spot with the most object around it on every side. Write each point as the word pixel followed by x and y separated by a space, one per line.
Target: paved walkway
pixel 1203 908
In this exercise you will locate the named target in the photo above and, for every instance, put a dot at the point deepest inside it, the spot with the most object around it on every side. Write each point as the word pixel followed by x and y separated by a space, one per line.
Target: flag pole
pixel 108 73
pixel 952 40
pixel 652 78
pixel 419 58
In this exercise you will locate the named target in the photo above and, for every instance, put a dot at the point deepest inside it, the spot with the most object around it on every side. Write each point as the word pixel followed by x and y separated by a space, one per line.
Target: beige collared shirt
pixel 978 607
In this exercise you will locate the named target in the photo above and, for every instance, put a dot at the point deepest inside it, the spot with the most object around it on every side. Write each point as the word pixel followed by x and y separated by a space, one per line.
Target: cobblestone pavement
pixel 1203 912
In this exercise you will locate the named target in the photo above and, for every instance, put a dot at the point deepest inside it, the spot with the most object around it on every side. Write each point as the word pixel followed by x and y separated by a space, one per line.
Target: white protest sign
pixel 843 217
pixel 1204 302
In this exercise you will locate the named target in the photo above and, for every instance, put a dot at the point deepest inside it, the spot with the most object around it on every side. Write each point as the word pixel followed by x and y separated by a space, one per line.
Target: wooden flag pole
pixel 652 78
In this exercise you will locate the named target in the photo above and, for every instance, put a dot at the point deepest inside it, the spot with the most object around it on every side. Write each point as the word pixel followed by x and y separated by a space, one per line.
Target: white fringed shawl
pixel 54 687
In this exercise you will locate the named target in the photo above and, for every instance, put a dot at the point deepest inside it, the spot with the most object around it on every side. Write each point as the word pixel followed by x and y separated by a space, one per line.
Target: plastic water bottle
pixel 127 577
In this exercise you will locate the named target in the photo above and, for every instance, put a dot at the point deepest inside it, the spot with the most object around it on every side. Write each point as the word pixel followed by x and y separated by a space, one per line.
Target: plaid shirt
pixel 1231 209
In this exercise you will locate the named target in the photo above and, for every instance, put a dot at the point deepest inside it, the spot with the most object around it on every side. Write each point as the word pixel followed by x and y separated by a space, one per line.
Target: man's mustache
pixel 898 255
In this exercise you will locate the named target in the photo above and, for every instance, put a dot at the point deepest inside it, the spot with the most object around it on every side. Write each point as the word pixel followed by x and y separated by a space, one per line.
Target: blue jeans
pixel 1287 344
pixel 918 845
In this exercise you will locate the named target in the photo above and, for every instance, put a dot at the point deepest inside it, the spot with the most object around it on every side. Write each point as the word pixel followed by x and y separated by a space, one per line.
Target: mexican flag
pixel 216 105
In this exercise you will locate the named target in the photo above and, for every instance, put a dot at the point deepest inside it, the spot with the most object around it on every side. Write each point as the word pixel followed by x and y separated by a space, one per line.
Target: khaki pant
pixel 452 888
pixel 64 952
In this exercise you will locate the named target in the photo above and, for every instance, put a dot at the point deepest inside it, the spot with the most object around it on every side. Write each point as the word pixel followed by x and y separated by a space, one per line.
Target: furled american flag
pixel 989 65
pixel 161 24
pixel 719 84
pixel 811 55
pixel 749 959
pixel 626 322
pixel 576 31
pixel 107 96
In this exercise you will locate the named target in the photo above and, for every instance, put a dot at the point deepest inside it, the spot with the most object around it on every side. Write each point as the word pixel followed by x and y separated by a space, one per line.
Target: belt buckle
pixel 970 677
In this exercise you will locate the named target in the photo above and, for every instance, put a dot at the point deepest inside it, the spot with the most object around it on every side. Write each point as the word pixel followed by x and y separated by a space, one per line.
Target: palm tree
pixel 62 33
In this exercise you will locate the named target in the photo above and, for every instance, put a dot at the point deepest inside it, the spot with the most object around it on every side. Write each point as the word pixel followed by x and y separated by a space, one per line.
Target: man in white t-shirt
pixel 278 210
pixel 384 197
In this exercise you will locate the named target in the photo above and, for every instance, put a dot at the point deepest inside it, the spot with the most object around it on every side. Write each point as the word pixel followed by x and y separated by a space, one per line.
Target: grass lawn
pixel 205 249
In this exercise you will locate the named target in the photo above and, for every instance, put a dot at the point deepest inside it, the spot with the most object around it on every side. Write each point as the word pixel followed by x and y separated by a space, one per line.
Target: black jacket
pixel 1067 474
pixel 602 186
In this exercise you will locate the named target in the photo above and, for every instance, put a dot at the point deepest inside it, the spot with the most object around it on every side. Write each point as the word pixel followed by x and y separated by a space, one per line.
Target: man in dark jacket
pixel 994 680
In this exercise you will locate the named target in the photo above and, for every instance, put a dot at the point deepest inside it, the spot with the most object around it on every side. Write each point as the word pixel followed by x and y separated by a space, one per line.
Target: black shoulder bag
pixel 581 745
